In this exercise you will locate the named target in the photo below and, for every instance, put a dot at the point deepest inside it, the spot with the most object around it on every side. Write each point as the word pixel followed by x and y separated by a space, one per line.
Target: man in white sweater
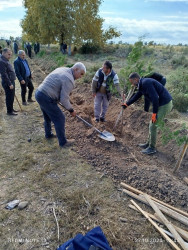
pixel 55 88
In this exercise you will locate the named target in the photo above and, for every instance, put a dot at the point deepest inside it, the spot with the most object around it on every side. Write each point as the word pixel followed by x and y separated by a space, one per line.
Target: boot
pixel 149 150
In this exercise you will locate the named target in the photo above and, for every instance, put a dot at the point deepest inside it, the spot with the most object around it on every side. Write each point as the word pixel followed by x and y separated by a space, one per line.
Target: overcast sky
pixel 163 21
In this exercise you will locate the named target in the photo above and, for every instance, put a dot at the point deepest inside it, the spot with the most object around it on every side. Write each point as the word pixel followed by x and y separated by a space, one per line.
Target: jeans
pixel 100 105
pixel 52 113
pixel 162 112
pixel 9 93
pixel 29 84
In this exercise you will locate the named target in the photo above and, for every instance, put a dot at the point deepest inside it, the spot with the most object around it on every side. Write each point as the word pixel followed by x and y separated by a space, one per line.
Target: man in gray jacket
pixel 55 88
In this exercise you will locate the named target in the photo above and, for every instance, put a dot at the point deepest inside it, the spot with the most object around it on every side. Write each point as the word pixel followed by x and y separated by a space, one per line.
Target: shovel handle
pixel 87 123
pixel 90 125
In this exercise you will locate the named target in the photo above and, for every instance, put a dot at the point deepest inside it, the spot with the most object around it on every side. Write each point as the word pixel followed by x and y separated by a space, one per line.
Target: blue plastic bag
pixel 93 240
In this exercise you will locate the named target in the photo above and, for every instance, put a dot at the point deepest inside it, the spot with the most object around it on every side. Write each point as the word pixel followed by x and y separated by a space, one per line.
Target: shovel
pixel 105 135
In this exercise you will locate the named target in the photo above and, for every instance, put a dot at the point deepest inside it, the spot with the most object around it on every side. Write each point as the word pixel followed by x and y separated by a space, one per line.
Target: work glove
pixel 154 118
pixel 124 105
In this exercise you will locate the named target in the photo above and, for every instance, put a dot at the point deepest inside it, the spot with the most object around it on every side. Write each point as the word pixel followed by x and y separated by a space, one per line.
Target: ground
pixel 82 183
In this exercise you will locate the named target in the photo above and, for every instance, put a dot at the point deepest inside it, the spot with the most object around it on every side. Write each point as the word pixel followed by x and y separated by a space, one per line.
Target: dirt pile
pixel 122 159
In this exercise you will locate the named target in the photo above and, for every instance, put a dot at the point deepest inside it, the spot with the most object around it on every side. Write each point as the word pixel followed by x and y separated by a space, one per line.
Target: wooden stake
pixel 173 214
pixel 153 198
pixel 178 164
pixel 166 222
pixel 18 103
pixel 182 232
pixel 171 242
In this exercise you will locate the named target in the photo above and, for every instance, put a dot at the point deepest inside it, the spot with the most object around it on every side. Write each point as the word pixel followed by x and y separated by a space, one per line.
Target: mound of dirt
pixel 122 159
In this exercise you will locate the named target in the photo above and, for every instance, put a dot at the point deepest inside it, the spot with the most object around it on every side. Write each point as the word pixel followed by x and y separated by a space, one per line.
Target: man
pixel 23 74
pixel 8 80
pixel 155 93
pixel 55 88
pixel 103 80
pixel 15 48
pixel 29 47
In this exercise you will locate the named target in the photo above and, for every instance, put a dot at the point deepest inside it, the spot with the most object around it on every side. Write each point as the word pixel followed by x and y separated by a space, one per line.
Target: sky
pixel 161 21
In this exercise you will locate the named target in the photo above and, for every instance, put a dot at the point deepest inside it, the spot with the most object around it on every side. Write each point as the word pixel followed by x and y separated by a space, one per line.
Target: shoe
pixel 96 120
pixel 149 151
pixel 51 136
pixel 69 143
pixel 11 113
pixel 144 145
pixel 102 119
pixel 15 111
pixel 24 103
pixel 30 100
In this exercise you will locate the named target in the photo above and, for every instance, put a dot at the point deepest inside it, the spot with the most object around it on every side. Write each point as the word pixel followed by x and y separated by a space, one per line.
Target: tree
pixel 70 21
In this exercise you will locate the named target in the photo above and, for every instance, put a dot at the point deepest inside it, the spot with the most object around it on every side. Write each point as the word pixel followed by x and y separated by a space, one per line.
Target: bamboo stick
pixel 166 222
pixel 173 214
pixel 182 232
pixel 178 164
pixel 153 198
pixel 171 242
pixel 18 103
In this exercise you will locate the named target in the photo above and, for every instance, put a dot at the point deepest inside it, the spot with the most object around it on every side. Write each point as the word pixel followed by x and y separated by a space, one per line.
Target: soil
pixel 122 159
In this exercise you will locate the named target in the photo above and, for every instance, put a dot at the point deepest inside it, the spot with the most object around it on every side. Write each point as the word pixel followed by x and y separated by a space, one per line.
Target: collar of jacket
pixel 22 60
pixel 4 58
pixel 140 84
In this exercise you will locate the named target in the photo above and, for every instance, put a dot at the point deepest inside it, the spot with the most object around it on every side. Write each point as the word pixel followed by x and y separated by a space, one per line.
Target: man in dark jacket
pixel 29 48
pixel 8 80
pixel 23 74
pixel 155 93
pixel 15 48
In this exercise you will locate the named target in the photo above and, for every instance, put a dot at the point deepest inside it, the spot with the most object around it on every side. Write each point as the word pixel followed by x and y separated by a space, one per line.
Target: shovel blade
pixel 107 136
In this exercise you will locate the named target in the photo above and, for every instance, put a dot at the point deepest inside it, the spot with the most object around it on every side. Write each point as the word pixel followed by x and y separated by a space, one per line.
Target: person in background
pixel 38 47
pixel 29 48
pixel 104 78
pixel 55 88
pixel 25 48
pixel 161 100
pixel 15 46
pixel 24 76
pixel 8 80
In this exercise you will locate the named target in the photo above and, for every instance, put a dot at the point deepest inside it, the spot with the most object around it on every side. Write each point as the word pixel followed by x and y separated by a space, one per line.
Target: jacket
pixel 153 92
pixel 7 72
pixel 20 69
pixel 58 85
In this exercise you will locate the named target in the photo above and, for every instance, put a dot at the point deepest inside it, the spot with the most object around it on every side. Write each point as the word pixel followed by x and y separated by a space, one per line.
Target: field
pixel 83 183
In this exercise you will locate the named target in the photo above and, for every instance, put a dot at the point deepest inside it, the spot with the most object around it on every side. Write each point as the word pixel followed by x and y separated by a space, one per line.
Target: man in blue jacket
pixel 161 100
pixel 23 74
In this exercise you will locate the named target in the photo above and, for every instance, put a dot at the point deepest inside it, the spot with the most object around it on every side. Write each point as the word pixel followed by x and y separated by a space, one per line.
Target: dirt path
pixel 83 195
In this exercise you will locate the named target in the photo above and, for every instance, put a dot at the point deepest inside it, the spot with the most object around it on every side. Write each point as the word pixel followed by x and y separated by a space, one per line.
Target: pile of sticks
pixel 161 208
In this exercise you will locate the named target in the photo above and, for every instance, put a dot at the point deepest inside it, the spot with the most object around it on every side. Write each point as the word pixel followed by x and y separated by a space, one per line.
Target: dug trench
pixel 122 159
